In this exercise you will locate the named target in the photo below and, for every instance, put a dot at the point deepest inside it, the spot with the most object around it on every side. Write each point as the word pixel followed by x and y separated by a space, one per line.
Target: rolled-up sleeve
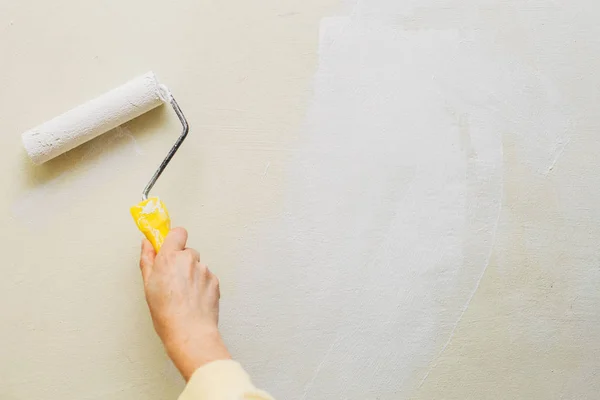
pixel 222 380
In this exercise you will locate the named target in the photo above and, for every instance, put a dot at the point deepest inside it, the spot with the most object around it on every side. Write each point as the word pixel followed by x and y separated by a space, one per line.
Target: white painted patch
pixel 392 204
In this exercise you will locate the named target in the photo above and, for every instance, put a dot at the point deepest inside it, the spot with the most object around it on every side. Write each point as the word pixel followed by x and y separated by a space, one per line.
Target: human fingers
pixel 147 258
pixel 192 254
pixel 175 240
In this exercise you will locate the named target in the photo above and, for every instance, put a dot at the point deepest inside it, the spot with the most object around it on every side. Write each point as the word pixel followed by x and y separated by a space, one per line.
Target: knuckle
pixel 213 281
pixel 204 270
pixel 189 255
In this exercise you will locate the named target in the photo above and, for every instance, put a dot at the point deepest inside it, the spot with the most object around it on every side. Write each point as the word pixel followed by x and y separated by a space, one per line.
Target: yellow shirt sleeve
pixel 222 380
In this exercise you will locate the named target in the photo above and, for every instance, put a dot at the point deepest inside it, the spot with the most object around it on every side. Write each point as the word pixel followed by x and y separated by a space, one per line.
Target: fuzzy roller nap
pixel 101 115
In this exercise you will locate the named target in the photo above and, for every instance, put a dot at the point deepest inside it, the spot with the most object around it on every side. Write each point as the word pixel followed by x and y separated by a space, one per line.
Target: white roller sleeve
pixel 94 118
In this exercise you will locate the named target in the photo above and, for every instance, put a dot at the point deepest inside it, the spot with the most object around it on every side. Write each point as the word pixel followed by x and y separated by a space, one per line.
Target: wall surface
pixel 399 196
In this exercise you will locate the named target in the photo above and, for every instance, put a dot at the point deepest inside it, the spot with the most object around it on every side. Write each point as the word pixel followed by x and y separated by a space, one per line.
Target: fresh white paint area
pixel 391 207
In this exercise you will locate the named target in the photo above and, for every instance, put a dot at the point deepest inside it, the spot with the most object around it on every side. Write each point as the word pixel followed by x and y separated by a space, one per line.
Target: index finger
pixel 175 240
pixel 147 259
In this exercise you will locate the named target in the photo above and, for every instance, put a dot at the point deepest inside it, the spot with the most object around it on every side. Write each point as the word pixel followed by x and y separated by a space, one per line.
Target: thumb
pixel 147 258
pixel 175 240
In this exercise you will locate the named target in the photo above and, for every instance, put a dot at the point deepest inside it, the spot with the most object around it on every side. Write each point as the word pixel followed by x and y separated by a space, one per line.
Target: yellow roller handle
pixel 152 218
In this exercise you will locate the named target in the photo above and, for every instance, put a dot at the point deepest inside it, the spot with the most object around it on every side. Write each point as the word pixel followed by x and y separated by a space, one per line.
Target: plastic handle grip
pixel 152 219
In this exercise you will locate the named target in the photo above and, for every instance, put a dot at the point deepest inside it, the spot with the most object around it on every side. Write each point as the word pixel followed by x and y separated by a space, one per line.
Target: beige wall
pixel 398 196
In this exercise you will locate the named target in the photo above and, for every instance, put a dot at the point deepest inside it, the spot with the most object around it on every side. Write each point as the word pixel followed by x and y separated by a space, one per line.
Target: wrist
pixel 195 350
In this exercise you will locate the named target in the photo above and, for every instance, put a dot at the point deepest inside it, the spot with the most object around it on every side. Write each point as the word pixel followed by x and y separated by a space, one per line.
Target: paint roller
pixel 104 113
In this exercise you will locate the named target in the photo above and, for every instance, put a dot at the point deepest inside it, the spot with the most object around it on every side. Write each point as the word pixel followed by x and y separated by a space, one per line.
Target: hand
pixel 183 297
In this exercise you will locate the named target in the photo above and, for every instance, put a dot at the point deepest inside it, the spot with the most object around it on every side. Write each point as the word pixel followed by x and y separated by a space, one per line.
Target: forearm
pixel 222 380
